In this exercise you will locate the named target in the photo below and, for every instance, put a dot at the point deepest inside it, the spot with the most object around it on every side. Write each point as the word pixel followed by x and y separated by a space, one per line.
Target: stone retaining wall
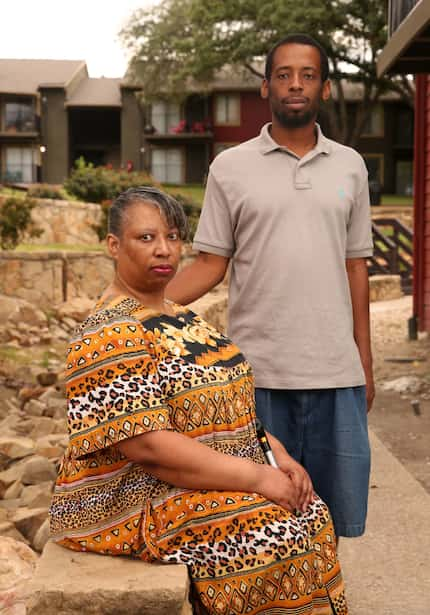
pixel 66 222
pixel 49 278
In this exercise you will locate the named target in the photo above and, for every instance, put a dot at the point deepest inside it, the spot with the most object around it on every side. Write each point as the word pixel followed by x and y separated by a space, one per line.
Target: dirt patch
pixel 402 426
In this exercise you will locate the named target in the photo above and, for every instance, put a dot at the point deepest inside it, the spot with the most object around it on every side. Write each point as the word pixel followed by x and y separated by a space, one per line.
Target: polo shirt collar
pixel 267 144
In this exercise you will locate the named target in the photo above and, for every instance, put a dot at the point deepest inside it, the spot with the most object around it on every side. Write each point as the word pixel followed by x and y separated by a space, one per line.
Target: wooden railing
pixel 392 250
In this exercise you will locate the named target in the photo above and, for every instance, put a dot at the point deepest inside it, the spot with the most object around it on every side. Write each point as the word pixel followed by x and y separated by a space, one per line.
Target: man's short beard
pixel 294 120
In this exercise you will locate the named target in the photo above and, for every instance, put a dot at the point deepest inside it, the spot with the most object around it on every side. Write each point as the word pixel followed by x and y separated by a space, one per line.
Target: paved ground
pixel 387 571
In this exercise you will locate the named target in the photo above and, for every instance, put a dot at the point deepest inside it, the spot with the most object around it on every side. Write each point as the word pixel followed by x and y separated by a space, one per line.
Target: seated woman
pixel 163 462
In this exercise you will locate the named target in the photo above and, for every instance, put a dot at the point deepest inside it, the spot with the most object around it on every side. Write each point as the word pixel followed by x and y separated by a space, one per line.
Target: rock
pixel 17 566
pixel 13 491
pixel 34 407
pixel 134 587
pixel 37 496
pixel 29 520
pixel 404 384
pixel 14 473
pixel 19 311
pixel 47 379
pixel 42 426
pixel 70 323
pixel 16 447
pixel 77 309
pixel 7 529
pixel 37 470
pixel 56 408
pixel 51 393
pixel 30 392
pixel 60 425
pixel 41 537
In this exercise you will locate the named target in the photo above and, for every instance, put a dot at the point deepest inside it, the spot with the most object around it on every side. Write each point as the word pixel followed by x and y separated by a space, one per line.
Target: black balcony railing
pixel 398 10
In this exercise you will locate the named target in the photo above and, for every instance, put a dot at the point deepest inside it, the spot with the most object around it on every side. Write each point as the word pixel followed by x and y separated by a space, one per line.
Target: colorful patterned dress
pixel 132 370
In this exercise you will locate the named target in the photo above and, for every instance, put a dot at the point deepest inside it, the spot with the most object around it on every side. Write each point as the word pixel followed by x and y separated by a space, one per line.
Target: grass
pixel 192 191
pixel 60 247
pixel 396 199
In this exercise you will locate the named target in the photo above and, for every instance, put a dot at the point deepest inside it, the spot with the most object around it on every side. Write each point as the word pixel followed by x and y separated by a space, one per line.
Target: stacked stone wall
pixel 49 278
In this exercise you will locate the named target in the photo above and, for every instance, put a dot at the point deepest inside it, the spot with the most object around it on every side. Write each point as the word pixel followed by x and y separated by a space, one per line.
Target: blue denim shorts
pixel 326 431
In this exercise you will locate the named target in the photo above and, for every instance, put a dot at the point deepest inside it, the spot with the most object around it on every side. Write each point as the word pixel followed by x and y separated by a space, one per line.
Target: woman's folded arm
pixel 185 462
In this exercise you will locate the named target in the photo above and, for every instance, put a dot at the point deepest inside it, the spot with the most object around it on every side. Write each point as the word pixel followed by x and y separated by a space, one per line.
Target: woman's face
pixel 147 252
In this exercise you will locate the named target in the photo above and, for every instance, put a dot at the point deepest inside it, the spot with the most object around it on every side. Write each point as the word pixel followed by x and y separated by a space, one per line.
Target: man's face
pixel 295 89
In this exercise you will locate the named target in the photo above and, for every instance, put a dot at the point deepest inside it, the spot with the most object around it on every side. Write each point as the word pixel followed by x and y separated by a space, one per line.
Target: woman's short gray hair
pixel 169 208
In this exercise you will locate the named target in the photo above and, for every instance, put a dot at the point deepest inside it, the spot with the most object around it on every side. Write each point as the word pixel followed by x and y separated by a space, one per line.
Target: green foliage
pixel 16 222
pixel 98 184
pixel 179 39
pixel 102 185
pixel 46 191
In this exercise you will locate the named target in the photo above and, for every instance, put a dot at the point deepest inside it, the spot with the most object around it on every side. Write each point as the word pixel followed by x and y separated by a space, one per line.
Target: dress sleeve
pixel 113 389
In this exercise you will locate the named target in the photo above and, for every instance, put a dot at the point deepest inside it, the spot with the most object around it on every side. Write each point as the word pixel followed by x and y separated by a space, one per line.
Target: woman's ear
pixel 113 245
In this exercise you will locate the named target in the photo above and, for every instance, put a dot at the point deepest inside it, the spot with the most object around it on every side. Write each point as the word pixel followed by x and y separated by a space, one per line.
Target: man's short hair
pixel 298 39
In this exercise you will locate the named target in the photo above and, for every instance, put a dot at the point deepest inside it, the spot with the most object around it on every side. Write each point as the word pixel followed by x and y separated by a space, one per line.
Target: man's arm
pixel 196 279
pixel 359 287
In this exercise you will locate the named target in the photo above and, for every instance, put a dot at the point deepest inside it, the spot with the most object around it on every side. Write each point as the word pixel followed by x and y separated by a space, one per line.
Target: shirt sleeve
pixel 359 243
pixel 215 229
pixel 113 388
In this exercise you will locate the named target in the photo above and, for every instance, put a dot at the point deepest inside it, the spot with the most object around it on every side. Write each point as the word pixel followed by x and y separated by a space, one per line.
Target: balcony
pixel 398 10
pixel 183 131
pixel 408 47
pixel 19 119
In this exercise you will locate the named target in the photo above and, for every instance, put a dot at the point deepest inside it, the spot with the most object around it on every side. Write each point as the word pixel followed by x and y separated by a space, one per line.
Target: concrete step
pixel 68 582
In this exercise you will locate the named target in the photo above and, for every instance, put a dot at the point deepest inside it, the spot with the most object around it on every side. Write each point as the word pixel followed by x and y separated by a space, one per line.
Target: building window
pixel 166 165
pixel 404 177
pixel 19 117
pixel 227 109
pixel 19 165
pixel 165 116
pixel 374 126
pixel 375 167
pixel 404 128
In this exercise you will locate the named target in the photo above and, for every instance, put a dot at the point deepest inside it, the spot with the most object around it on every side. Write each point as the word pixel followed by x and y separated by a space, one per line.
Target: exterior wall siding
pixel 254 112
pixel 426 204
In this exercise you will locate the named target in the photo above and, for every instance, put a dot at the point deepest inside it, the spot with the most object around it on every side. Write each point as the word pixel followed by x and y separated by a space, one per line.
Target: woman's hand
pixel 296 472
pixel 300 479
pixel 277 486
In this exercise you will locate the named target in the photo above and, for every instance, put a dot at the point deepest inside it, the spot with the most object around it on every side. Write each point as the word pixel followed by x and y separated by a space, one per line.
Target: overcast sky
pixel 68 30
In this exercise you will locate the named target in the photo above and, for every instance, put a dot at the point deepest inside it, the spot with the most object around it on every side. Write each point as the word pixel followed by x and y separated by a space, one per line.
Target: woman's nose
pixel 162 246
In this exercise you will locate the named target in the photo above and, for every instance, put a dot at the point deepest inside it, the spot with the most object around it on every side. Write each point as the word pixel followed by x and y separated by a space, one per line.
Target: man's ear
pixel 112 245
pixel 326 90
pixel 264 90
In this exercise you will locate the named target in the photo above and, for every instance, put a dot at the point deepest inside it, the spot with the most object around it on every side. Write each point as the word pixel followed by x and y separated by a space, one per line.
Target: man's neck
pixel 298 140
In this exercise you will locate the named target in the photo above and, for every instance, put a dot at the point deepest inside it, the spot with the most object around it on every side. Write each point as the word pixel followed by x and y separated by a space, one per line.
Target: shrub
pixel 15 221
pixel 45 191
pixel 101 185
pixel 98 184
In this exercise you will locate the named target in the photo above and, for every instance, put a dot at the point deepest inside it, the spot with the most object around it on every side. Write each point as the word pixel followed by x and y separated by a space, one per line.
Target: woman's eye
pixel 173 236
pixel 146 237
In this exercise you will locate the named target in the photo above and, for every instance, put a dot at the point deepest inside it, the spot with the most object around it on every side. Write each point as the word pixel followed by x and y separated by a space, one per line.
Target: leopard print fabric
pixel 131 371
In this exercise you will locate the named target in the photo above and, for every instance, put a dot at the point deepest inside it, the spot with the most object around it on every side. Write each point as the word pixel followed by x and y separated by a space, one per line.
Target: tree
pixel 182 40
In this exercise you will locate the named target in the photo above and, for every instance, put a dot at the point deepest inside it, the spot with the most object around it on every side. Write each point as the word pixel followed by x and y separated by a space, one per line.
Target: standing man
pixel 290 210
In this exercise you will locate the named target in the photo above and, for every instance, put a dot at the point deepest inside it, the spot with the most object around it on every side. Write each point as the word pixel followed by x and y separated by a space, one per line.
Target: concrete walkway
pixel 387 571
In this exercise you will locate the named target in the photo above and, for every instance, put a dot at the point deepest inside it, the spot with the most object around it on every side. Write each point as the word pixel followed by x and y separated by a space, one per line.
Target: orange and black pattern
pixel 130 371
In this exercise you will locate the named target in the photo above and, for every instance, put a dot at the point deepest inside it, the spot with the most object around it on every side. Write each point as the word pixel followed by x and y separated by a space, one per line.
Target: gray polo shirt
pixel 288 223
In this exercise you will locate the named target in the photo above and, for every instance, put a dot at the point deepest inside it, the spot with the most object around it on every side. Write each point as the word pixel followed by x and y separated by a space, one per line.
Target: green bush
pixel 15 221
pixel 45 191
pixel 101 185
pixel 98 184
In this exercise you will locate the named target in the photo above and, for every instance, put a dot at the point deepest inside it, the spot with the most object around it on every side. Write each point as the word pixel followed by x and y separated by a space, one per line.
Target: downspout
pixel 419 201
